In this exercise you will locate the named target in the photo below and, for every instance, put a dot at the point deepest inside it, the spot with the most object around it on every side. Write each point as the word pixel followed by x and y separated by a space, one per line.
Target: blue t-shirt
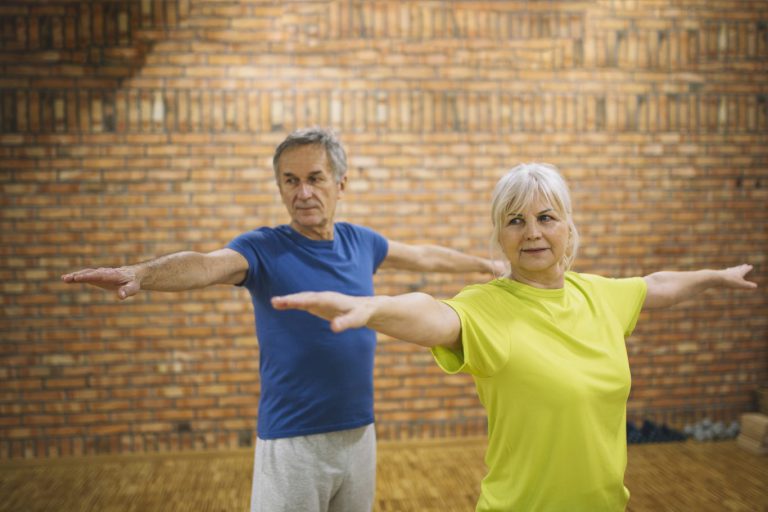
pixel 312 379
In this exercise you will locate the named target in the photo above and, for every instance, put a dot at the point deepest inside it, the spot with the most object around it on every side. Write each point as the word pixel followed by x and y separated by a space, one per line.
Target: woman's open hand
pixel 343 311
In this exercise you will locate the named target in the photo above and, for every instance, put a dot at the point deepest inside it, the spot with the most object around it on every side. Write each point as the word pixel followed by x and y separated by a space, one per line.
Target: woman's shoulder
pixel 595 282
pixel 481 295
pixel 487 289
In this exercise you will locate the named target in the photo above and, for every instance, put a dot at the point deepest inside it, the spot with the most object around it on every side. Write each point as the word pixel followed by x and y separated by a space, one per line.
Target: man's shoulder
pixel 258 237
pixel 356 230
pixel 351 227
pixel 265 232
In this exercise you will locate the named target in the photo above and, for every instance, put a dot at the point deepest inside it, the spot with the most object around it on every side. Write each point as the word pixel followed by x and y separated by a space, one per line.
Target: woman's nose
pixel 532 231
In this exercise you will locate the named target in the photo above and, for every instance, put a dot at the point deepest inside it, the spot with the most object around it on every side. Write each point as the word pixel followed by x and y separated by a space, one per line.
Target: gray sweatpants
pixel 331 472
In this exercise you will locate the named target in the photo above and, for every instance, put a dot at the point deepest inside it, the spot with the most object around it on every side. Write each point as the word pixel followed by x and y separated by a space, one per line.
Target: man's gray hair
pixel 337 157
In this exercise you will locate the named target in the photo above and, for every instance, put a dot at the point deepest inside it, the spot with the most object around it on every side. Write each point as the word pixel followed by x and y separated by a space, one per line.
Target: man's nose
pixel 305 190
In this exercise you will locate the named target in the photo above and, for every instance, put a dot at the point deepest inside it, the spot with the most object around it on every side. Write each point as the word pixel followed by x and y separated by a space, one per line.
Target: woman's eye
pixel 514 221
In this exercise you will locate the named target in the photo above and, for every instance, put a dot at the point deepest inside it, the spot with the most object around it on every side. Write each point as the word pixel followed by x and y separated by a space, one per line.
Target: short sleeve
pixel 247 245
pixel 380 249
pixel 627 298
pixel 485 342
pixel 366 242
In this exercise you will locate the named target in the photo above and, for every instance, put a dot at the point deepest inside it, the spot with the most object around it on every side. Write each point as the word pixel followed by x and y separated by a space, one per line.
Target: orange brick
pixel 170 150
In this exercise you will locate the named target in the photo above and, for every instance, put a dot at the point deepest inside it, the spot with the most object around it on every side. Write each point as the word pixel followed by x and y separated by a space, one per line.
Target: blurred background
pixel 130 129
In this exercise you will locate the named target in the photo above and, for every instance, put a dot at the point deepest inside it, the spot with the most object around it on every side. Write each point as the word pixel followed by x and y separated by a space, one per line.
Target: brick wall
pixel 134 128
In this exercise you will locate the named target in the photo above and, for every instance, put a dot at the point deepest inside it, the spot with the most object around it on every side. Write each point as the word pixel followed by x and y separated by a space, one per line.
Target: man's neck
pixel 324 232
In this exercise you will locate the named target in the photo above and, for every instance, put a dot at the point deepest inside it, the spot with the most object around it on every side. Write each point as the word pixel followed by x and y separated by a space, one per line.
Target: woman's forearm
pixel 668 288
pixel 415 317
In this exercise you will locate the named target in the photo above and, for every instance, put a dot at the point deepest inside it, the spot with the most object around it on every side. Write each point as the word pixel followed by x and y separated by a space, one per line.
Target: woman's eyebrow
pixel 513 214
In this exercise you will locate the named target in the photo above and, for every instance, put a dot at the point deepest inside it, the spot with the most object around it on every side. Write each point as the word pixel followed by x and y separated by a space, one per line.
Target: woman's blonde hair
pixel 517 190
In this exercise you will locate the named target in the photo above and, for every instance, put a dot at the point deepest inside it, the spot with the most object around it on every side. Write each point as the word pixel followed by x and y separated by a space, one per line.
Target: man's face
pixel 308 190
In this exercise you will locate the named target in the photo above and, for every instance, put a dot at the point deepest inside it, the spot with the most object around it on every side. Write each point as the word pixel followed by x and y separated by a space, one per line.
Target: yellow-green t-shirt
pixel 551 370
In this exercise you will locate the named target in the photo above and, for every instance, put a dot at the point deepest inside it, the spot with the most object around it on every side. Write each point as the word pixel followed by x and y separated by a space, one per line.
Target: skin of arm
pixel 668 288
pixel 171 273
pixel 434 258
pixel 413 317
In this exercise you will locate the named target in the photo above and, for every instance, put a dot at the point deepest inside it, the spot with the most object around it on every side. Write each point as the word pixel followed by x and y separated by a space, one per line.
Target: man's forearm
pixel 443 259
pixel 174 272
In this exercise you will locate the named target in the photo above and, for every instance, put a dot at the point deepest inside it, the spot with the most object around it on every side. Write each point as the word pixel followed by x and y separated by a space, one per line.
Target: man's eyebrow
pixel 312 173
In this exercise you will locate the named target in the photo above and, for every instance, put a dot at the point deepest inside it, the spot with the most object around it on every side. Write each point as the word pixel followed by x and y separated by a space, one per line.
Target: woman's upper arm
pixel 417 318
pixel 451 324
pixel 650 292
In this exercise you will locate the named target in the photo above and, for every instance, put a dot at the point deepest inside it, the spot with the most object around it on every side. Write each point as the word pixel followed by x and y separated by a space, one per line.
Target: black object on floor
pixel 650 432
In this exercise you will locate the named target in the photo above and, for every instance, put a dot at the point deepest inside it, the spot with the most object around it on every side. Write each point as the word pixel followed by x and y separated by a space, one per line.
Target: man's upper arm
pixel 402 257
pixel 226 266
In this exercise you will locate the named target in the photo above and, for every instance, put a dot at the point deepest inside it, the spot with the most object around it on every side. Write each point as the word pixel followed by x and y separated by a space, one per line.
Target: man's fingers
pixel 99 276
pixel 74 277
pixel 128 290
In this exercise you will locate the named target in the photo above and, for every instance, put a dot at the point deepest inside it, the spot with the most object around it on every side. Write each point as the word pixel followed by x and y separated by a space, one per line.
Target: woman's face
pixel 535 241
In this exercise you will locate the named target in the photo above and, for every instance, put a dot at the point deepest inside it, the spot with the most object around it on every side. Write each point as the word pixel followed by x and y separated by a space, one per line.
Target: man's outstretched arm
pixel 171 273
pixel 434 258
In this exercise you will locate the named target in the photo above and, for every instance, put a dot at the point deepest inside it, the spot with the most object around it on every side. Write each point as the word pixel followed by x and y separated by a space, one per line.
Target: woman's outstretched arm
pixel 414 317
pixel 667 288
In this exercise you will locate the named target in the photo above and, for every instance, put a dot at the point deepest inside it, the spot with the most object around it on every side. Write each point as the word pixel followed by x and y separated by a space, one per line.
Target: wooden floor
pixel 413 476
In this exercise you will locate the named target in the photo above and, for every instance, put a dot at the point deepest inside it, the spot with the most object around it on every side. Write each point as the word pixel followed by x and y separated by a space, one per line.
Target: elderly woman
pixel 545 345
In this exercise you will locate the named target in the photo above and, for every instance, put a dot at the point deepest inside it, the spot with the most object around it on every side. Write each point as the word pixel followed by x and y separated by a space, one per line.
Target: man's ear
pixel 343 184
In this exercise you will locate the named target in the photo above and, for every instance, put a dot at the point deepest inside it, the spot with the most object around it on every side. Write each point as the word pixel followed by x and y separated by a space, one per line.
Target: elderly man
pixel 316 446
